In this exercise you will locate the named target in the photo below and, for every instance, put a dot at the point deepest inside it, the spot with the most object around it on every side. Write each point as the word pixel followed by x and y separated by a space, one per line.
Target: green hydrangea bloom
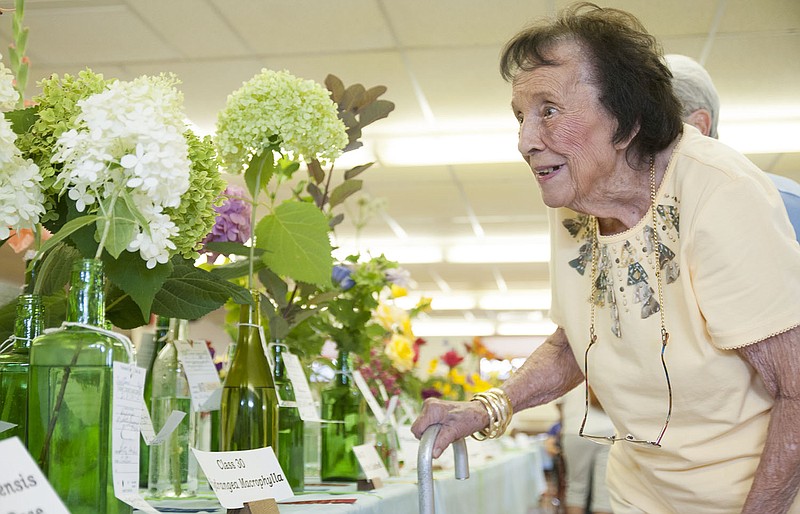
pixel 195 215
pixel 277 106
pixel 57 109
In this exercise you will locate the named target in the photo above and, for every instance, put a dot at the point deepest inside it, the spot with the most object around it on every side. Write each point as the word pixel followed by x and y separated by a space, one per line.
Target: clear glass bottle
pixel 70 398
pixel 173 468
pixel 28 325
pixel 344 414
pixel 148 353
pixel 291 456
pixel 387 444
pixel 249 408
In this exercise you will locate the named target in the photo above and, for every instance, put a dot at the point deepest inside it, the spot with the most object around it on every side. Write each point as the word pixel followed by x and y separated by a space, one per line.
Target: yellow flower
pixel 457 378
pixel 405 328
pixel 400 351
pixel 398 291
pixel 432 366
pixel 424 304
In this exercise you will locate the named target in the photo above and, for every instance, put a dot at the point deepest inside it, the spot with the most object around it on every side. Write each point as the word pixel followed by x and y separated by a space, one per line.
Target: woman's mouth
pixel 543 172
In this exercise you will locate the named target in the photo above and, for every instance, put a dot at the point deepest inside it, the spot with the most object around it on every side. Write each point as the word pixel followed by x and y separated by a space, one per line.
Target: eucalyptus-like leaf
pixel 353 97
pixel 276 287
pixel 278 327
pixel 231 248
pixel 335 86
pixel 130 274
pixel 374 112
pixel 354 172
pixel 315 171
pixel 341 192
pixel 120 227
pixel 296 239
pixel 315 193
pixel 259 171
pixel 336 220
pixel 374 93
pixel 54 270
pixel 238 269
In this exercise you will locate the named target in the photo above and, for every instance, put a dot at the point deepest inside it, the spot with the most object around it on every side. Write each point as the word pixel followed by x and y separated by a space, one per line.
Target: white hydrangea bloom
pixel 130 135
pixel 8 95
pixel 21 195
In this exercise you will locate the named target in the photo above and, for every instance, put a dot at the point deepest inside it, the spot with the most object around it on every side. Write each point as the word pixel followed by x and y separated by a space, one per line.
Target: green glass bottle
pixel 343 404
pixel 146 356
pixel 28 325
pixel 249 408
pixel 173 468
pixel 290 425
pixel 70 399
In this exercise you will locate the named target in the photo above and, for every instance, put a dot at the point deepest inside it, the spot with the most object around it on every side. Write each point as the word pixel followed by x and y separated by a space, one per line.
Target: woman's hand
pixel 458 420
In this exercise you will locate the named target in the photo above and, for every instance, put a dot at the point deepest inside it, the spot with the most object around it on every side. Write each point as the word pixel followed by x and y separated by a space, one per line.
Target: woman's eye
pixel 547 112
pixel 519 118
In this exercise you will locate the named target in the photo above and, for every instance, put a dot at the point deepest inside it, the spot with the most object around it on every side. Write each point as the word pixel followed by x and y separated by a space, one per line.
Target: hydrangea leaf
pixel 54 270
pixel 260 170
pixel 121 227
pixel 296 243
pixel 191 293
pixel 129 273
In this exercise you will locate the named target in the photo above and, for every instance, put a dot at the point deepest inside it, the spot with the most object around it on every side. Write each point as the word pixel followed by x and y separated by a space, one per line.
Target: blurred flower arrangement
pixel 271 124
pixel 448 378
pixel 389 369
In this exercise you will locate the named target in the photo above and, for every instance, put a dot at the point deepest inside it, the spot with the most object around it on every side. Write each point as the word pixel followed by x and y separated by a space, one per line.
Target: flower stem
pixel 253 229
pixel 109 217
pixel 56 409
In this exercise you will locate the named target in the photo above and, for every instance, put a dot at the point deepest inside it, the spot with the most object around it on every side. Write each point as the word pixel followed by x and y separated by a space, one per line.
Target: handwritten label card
pixel 25 489
pixel 380 416
pixel 204 385
pixel 244 476
pixel 370 462
pixel 302 391
pixel 4 425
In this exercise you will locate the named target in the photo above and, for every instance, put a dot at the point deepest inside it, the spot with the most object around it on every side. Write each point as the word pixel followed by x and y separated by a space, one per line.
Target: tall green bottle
pixel 343 404
pixel 249 408
pixel 28 325
pixel 148 353
pixel 173 468
pixel 291 456
pixel 70 399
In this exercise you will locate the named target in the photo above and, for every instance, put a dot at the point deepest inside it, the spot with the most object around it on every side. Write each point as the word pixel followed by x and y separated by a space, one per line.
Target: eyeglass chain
pixel 657 243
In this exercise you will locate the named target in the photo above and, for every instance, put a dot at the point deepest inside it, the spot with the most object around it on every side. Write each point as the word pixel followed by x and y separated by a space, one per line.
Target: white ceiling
pixel 438 59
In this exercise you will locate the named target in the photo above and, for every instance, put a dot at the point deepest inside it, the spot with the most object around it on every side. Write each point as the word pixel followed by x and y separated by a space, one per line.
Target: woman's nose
pixel 529 137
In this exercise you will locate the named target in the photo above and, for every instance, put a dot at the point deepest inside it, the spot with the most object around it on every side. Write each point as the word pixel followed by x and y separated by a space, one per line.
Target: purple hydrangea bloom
pixel 233 218
pixel 341 276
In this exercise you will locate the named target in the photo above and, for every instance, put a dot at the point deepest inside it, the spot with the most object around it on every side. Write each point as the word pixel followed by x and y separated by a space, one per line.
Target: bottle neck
pixel 343 374
pixel 249 321
pixel 29 322
pixel 86 297
pixel 178 330
pixel 278 351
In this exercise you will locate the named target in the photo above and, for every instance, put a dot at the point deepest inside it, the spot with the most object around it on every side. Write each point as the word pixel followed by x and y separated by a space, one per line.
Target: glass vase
pixel 173 468
pixel 344 414
pixel 249 407
pixel 70 398
pixel 291 456
pixel 387 444
pixel 146 357
pixel 28 325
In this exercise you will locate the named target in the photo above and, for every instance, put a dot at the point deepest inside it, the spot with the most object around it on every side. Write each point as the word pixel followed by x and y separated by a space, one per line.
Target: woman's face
pixel 565 134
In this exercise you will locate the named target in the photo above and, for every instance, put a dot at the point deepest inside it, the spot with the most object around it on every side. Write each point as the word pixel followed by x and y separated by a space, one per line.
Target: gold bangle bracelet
pixel 498 407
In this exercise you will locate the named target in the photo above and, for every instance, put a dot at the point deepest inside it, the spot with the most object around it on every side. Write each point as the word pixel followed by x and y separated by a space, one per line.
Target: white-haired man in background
pixel 695 90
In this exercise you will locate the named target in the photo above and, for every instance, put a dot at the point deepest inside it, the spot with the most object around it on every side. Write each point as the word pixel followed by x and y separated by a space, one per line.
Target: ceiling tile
pixel 749 16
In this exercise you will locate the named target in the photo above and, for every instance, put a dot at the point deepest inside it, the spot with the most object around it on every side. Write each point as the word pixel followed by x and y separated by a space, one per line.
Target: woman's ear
pixel 701 119
pixel 622 145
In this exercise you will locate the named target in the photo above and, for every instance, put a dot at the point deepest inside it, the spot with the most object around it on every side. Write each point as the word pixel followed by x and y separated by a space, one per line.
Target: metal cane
pixel 425 466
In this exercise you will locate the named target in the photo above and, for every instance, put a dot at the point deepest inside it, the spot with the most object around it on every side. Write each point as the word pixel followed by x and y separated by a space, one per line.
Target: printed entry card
pixel 23 487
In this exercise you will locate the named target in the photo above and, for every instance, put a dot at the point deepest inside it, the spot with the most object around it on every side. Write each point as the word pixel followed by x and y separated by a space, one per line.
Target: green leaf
pixel 68 228
pixel 122 311
pixel 237 269
pixel 191 293
pixel 297 244
pixel 130 274
pixel 121 227
pixel 374 112
pixel 8 315
pixel 55 268
pixel 55 309
pixel 315 193
pixel 341 192
pixel 374 93
pixel 278 327
pixel 260 170
pixel 354 172
pixel 353 97
pixel 336 220
pixel 276 287
pixel 22 119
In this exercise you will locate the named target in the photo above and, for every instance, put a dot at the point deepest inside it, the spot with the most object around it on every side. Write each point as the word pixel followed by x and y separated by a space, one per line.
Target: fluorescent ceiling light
pixel 443 149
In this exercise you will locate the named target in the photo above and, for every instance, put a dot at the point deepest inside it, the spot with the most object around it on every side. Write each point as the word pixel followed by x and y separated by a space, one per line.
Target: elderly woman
pixel 675 278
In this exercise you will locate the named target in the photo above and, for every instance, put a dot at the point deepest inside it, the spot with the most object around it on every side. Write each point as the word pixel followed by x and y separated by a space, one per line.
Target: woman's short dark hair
pixel 629 70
